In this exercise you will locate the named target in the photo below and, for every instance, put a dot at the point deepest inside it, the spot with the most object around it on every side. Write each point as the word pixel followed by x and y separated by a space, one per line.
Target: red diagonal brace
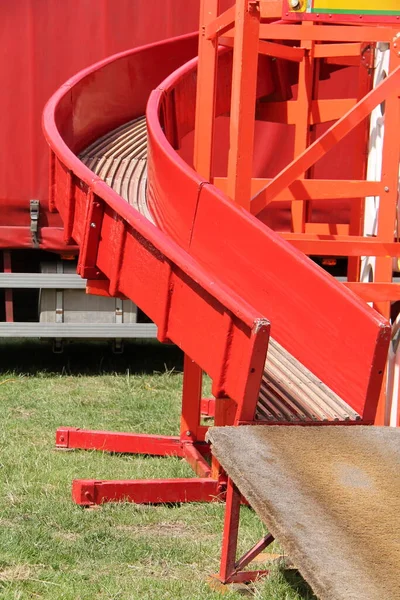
pixel 324 143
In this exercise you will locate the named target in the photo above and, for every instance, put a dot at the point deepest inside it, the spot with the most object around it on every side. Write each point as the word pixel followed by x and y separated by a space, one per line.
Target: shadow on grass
pixel 30 357
pixel 298 584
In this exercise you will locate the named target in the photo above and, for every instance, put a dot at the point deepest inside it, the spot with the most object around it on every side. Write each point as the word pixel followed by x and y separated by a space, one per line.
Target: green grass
pixel 53 549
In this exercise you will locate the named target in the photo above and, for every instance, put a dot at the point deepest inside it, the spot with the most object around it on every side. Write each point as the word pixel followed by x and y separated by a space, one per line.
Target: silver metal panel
pixel 46 281
pixel 78 330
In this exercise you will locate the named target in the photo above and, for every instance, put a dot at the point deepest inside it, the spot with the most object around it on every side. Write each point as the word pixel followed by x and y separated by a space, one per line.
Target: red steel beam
pixel 206 91
pixel 196 460
pixel 323 33
pixel 219 25
pixel 272 49
pixel 244 85
pixel 336 50
pixel 88 492
pixel 327 33
pixel 111 441
pixel 339 245
pixel 230 534
pixel 314 189
pixel 375 292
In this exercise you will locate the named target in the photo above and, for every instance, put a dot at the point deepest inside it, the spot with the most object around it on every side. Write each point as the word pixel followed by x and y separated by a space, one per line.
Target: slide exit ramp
pixel 330 495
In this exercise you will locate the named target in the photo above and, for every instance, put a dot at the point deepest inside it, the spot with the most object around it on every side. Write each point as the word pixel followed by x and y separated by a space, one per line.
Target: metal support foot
pixel 87 492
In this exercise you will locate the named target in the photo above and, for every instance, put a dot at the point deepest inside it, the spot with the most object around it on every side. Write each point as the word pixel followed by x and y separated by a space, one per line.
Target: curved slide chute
pixel 209 274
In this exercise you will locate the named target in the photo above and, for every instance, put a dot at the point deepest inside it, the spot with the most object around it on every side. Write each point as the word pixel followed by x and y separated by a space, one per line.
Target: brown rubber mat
pixel 329 495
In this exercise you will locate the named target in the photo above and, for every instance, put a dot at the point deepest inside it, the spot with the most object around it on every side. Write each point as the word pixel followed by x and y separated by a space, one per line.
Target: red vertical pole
pixel 203 145
pixel 8 295
pixel 225 413
pixel 302 133
pixel 359 158
pixel 206 92
pixel 191 399
pixel 230 534
pixel 243 101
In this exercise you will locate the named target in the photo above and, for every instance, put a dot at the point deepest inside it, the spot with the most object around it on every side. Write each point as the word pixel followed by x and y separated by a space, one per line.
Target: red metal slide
pixel 216 281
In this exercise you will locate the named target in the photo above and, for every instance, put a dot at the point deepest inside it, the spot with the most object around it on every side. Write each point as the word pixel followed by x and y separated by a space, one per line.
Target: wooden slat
pixel 291 393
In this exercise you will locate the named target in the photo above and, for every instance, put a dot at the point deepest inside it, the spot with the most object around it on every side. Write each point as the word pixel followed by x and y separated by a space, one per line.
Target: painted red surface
pixel 327 328
pixel 43 43
pixel 241 267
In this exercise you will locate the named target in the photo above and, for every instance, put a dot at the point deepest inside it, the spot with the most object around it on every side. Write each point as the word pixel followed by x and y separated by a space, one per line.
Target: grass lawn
pixel 53 549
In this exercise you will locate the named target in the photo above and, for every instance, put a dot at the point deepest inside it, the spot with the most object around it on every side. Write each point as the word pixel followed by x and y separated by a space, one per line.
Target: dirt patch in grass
pixel 67 536
pixel 16 573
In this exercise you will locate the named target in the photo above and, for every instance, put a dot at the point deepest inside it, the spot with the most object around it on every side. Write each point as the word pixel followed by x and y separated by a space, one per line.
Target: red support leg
pixel 231 530
pixel 196 460
pixel 109 441
pixel 191 400
pixel 231 569
pixel 87 492
pixel 190 445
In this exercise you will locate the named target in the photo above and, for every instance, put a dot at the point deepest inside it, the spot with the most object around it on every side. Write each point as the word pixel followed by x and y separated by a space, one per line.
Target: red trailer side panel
pixel 44 42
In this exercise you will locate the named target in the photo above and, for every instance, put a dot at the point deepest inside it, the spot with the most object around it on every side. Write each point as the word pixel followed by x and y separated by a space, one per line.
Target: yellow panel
pixel 355 6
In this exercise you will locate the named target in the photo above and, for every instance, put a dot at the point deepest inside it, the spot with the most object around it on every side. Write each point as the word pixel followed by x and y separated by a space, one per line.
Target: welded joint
pixel 260 324
pixel 368 56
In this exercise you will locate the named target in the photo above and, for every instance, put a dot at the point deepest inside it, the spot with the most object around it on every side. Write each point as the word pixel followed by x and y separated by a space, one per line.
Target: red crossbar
pixel 111 441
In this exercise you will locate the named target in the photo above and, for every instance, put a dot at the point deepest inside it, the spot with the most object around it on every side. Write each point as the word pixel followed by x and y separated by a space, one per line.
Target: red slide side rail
pixel 324 325
pixel 126 253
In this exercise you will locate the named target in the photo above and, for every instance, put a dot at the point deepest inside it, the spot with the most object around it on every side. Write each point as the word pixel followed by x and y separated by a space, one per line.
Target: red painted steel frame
pixel 87 492
pixel 207 282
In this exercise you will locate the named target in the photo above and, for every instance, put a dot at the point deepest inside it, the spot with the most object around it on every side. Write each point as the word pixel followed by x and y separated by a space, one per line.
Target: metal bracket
pixel 34 206
pixel 368 56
